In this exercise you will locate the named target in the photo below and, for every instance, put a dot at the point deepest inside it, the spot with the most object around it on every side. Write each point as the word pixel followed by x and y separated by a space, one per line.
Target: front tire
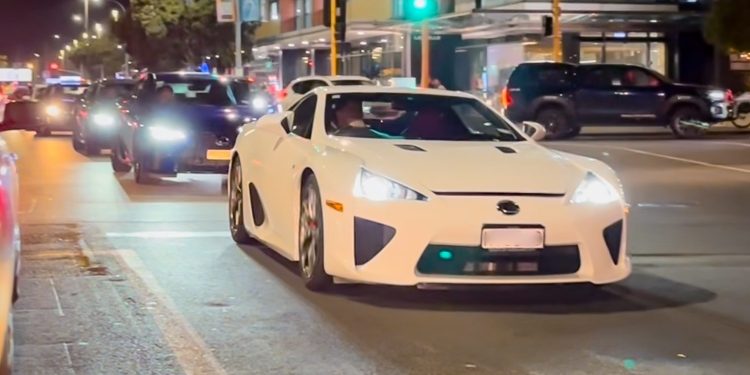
pixel 236 206
pixel 141 175
pixel 311 244
pixel 679 123
pixel 556 122
pixel 119 159
pixel 743 116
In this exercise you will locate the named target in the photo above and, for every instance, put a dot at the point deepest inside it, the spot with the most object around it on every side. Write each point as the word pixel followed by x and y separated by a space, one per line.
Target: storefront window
pixel 648 54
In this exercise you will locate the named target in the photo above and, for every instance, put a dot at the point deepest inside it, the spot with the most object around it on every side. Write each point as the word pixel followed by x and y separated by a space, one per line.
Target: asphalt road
pixel 127 279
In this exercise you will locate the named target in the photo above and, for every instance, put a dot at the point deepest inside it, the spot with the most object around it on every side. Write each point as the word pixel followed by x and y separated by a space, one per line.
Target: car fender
pixel 554 100
pixel 677 100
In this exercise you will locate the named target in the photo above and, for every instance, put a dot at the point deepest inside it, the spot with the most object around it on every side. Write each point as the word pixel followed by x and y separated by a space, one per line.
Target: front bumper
pixel 721 111
pixel 199 153
pixel 576 249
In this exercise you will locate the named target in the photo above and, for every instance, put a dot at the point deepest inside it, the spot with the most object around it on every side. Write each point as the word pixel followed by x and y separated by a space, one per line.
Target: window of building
pixel 303 14
pixel 273 10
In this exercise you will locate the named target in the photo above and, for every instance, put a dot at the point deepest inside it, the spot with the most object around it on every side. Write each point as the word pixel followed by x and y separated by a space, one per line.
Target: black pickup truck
pixel 564 97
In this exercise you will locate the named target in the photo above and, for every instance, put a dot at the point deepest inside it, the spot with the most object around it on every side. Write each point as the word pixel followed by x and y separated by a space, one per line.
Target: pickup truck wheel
pixel 682 123
pixel 555 121
pixel 743 116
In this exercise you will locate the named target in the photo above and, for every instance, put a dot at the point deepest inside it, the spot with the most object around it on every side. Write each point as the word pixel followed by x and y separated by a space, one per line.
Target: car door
pixel 641 95
pixel 597 100
pixel 287 161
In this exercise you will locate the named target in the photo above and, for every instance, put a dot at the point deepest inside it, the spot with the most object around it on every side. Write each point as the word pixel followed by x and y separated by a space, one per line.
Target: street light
pixel 115 15
pixel 37 55
pixel 77 18
pixel 85 35
pixel 68 48
pixel 56 36
pixel 75 42
pixel 98 28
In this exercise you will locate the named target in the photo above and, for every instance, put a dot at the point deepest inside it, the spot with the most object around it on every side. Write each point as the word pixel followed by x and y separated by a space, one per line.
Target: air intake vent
pixel 506 150
pixel 411 148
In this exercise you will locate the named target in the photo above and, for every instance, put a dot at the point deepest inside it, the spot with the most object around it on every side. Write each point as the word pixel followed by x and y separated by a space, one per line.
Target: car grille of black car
pixel 475 261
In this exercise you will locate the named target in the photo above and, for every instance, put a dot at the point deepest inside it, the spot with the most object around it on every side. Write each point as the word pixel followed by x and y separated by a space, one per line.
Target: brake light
pixel 730 96
pixel 84 114
pixel 283 94
pixel 505 99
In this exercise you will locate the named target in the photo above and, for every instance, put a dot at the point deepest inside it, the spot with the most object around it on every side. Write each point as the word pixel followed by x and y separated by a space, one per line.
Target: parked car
pixel 56 106
pixel 301 86
pixel 417 187
pixel 177 123
pixel 10 252
pixel 97 116
pixel 565 97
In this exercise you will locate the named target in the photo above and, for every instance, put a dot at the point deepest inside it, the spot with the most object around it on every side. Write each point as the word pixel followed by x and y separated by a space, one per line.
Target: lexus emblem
pixel 508 207
pixel 223 141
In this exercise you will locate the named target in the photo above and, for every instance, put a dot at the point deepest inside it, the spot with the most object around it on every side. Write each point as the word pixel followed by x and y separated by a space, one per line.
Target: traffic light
pixel 418 10
pixel 340 12
pixel 547 25
pixel 54 66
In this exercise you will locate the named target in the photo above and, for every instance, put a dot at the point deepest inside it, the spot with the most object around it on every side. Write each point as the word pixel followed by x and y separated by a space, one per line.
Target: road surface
pixel 126 279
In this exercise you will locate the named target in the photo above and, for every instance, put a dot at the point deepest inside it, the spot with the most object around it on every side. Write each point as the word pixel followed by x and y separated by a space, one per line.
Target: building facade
pixel 475 48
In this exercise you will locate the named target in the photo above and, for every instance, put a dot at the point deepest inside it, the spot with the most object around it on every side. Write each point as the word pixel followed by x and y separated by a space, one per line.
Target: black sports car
pixel 178 123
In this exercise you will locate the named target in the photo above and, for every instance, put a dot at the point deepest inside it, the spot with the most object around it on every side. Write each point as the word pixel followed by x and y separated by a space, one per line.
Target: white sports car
pixel 10 248
pixel 421 187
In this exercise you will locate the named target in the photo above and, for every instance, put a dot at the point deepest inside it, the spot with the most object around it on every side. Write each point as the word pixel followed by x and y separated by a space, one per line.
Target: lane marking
pixel 191 352
pixel 168 234
pixel 668 157
pixel 731 143
pixel 60 311
pixel 67 355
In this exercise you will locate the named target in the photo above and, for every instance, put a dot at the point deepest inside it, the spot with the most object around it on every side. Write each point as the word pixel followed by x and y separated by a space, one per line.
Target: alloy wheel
pixel 235 198
pixel 310 231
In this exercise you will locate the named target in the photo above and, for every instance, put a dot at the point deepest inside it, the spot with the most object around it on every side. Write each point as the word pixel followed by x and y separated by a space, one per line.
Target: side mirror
pixel 535 130
pixel 276 123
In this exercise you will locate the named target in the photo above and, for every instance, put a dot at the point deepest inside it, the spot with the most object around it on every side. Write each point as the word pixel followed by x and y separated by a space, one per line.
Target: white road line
pixel 731 143
pixel 656 155
pixel 57 298
pixel 691 161
pixel 168 234
pixel 67 355
pixel 191 352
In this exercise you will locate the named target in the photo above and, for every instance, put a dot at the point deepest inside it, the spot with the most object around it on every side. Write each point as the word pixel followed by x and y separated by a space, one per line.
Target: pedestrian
pixel 436 84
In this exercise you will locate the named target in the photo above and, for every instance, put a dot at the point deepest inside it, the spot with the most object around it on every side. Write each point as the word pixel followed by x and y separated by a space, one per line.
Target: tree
pixel 98 56
pixel 170 35
pixel 727 25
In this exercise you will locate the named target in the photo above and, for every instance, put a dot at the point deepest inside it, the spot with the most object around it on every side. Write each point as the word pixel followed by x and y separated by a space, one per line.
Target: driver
pixel 348 114
pixel 165 95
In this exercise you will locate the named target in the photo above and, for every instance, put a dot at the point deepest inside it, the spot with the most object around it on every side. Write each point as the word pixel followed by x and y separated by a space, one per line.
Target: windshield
pixel 245 92
pixel 353 82
pixel 415 116
pixel 66 92
pixel 117 91
pixel 200 91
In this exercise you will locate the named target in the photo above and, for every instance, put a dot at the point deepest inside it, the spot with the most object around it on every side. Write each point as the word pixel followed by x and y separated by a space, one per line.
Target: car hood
pixel 468 167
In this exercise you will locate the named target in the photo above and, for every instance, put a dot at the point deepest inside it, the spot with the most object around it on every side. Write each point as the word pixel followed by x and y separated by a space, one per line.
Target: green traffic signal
pixel 417 10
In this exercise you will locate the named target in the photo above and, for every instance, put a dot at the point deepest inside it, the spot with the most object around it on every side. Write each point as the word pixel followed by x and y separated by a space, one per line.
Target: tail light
pixel 83 114
pixel 505 99
pixel 283 94
pixel 730 96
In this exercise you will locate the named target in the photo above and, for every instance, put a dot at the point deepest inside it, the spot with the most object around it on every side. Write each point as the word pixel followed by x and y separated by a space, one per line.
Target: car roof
pixel 391 90
pixel 192 75
pixel 331 78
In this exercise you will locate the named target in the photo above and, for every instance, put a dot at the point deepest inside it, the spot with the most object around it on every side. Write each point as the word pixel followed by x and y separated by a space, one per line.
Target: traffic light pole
pixel 425 55
pixel 334 42
pixel 556 31
pixel 238 69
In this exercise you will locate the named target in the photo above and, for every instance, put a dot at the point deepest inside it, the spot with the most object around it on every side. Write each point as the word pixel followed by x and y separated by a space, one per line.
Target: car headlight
pixel 716 95
pixel 103 119
pixel 378 188
pixel 52 110
pixel 595 190
pixel 259 103
pixel 165 133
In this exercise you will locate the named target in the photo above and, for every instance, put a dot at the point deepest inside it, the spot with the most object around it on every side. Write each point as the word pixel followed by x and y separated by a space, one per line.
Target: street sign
pixel 16 75
pixel 225 11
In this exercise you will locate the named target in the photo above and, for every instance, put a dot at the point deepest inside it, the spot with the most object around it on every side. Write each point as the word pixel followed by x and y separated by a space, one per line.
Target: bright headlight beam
pixel 259 103
pixel 52 110
pixel 595 190
pixel 103 119
pixel 164 133
pixel 378 188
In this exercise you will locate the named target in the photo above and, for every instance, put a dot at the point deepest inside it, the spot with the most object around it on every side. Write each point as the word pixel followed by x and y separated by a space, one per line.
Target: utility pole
pixel 86 15
pixel 425 79
pixel 238 69
pixel 556 31
pixel 334 41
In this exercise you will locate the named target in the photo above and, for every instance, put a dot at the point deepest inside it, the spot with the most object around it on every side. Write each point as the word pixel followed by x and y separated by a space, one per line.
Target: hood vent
pixel 506 150
pixel 411 148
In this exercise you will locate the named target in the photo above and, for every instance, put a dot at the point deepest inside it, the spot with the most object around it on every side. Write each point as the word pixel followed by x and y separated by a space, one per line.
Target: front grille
pixel 475 261
pixel 613 239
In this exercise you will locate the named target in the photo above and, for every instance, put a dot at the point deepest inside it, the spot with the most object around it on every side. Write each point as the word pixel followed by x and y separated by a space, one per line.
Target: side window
pixel 602 77
pixel 304 115
pixel 301 87
pixel 635 77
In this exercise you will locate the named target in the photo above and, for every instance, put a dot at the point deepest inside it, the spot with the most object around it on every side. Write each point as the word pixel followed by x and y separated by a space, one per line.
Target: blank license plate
pixel 218 154
pixel 513 239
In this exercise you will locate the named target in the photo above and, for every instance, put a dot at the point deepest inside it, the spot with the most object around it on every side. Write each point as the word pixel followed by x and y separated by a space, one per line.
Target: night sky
pixel 28 25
